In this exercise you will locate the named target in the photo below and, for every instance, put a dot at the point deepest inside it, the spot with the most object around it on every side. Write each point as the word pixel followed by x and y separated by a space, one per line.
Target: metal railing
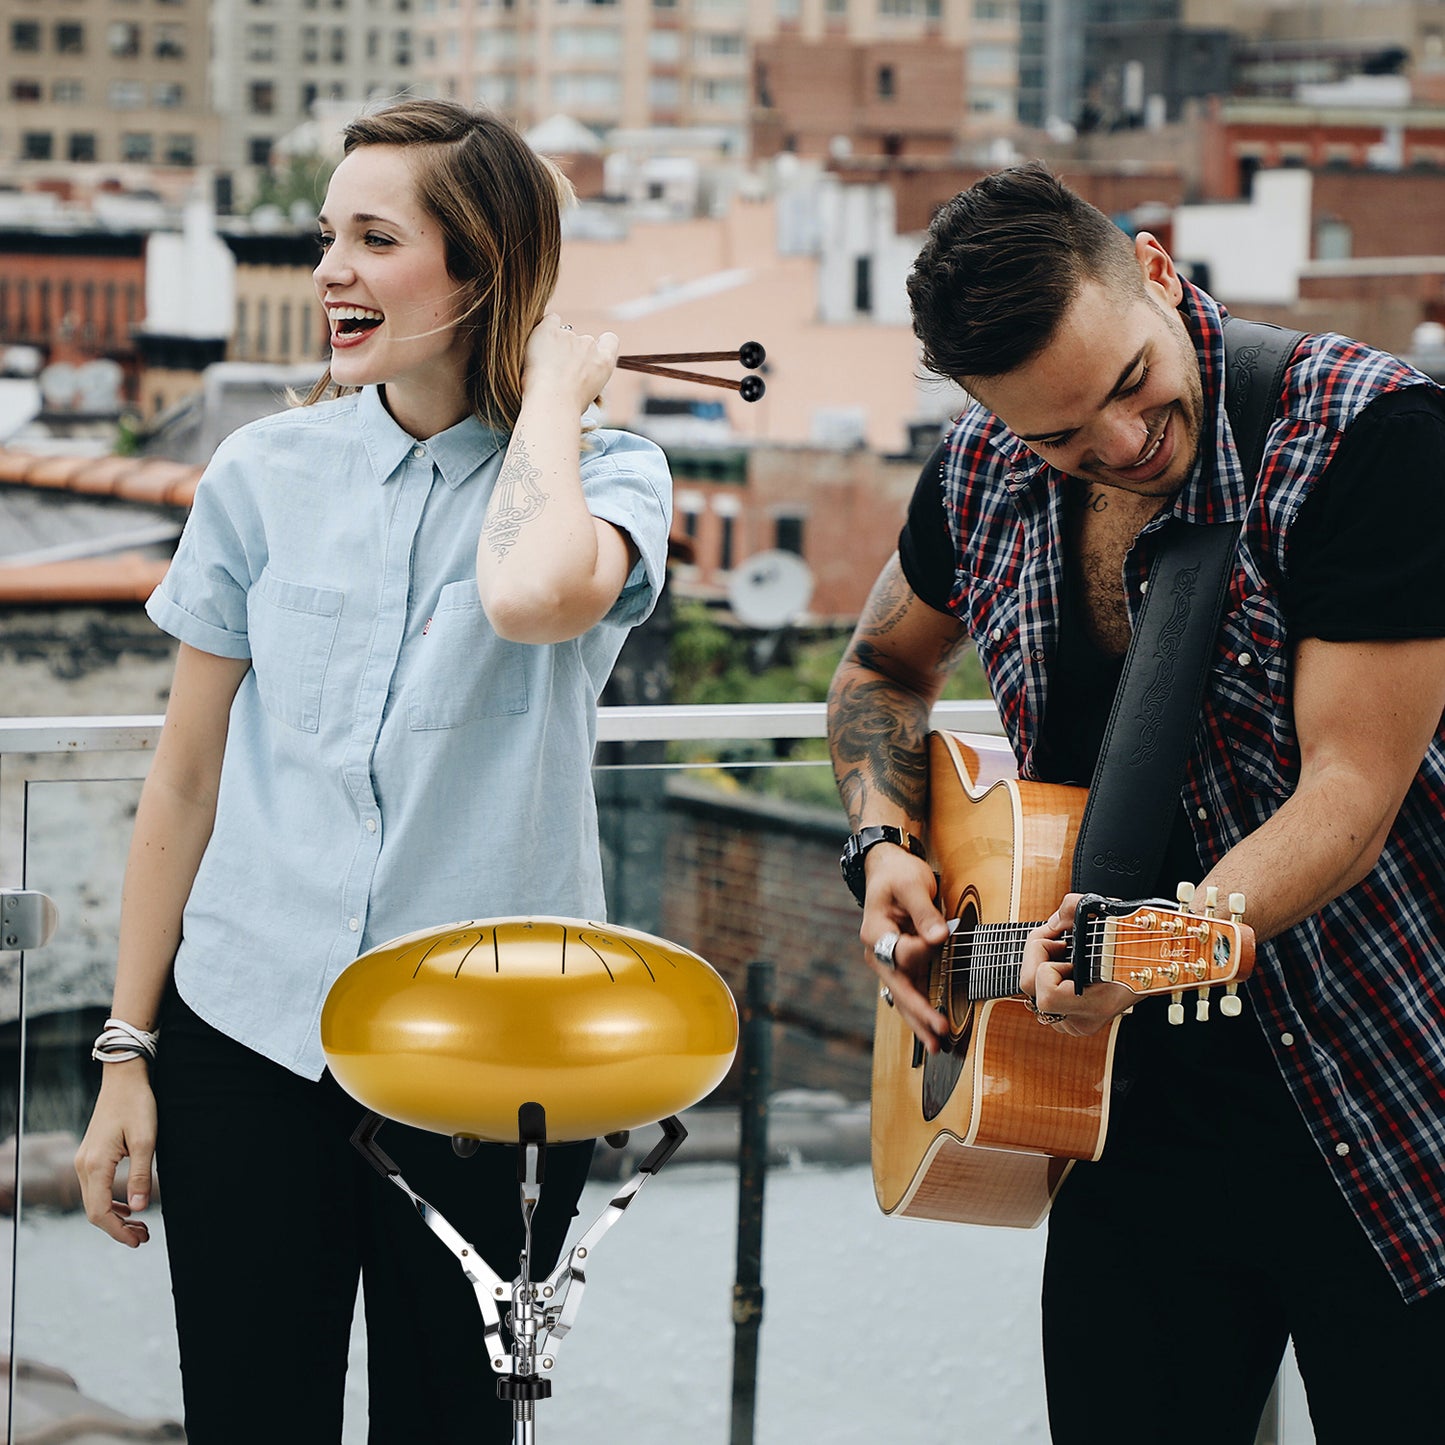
pixel 106 751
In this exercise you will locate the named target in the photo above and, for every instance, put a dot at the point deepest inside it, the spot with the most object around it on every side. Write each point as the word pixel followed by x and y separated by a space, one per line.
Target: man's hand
pixel 1047 979
pixel 901 900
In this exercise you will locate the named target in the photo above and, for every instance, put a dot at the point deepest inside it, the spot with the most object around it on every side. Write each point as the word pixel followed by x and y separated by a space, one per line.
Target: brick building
pixel 76 295
pixel 882 98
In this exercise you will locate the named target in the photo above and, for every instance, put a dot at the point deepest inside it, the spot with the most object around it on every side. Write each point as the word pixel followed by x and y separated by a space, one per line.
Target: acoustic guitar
pixel 986 1130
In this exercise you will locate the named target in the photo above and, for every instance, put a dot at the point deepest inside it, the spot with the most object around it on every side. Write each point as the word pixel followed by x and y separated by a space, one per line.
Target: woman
pixel 396 608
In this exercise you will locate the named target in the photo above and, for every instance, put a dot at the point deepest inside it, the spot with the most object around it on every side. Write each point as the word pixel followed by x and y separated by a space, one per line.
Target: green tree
pixel 292 179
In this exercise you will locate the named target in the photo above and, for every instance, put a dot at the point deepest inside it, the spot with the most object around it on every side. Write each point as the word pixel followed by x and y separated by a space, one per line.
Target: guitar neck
pixel 989 959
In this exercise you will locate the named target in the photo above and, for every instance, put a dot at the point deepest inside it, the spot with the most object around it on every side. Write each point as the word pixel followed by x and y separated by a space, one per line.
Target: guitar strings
pixel 991 956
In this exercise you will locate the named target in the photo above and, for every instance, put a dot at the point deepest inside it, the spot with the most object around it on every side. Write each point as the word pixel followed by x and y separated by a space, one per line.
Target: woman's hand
pixel 122 1126
pixel 570 364
pixel 1046 979
pixel 901 902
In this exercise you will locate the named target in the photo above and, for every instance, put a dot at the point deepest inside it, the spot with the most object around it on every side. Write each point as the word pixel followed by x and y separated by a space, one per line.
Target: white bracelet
pixel 119 1041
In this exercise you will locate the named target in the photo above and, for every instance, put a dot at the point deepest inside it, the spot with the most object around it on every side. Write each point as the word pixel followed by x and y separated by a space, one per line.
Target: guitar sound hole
pixel 941 1071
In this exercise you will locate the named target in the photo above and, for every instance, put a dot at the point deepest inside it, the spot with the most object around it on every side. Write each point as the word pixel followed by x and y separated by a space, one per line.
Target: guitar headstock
pixel 1152 947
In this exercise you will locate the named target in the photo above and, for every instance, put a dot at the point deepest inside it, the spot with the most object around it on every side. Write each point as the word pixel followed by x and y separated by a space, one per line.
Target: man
pixel 1281 1174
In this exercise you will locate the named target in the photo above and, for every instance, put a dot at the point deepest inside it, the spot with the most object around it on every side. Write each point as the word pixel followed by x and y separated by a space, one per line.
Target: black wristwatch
pixel 858 845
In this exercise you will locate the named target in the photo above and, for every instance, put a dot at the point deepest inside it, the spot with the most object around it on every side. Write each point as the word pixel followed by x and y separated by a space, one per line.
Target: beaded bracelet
pixel 119 1041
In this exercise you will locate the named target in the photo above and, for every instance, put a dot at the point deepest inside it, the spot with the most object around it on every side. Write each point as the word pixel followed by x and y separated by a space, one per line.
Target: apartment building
pixel 692 63
pixel 274 59
pixel 97 82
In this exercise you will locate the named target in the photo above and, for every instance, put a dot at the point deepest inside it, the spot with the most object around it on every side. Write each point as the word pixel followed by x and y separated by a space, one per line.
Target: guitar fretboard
pixel 989 959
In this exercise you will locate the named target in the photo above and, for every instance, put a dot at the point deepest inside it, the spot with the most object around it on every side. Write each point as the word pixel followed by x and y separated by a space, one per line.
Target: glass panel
pixel 83 1306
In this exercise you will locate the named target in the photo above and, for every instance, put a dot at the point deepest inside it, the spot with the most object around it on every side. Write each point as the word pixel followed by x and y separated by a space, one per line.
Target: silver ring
pixel 565 327
pixel 886 994
pixel 884 949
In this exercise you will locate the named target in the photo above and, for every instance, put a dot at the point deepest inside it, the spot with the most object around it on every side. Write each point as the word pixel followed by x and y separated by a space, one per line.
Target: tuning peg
pixel 1176 1006
pixel 1229 1005
pixel 1211 900
pixel 1185 894
pixel 1236 907
pixel 1201 1007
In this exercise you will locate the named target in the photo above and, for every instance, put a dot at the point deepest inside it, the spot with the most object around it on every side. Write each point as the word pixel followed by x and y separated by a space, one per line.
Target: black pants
pixel 270 1217
pixel 1210 1234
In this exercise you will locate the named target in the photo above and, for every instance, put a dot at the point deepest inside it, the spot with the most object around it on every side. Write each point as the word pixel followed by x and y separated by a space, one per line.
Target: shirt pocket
pixel 1250 687
pixel 292 630
pixel 464 670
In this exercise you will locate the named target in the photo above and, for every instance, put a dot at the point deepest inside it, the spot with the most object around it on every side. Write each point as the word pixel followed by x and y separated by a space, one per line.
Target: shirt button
pixel 1245 659
pixel 418 452
pixel 371 825
pixel 354 924
pixel 1287 1040
pixel 997 634
pixel 1144 585
pixel 1201 813
pixel 1342 1149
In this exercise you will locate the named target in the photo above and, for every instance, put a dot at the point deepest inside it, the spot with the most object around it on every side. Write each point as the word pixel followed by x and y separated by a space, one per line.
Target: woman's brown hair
pixel 499 205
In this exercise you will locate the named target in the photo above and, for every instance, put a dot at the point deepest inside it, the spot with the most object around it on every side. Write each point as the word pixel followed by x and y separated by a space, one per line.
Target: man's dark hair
pixel 1003 262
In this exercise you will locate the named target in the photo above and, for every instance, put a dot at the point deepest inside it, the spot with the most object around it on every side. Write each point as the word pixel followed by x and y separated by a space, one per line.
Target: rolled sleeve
pixel 628 484
pixel 201 600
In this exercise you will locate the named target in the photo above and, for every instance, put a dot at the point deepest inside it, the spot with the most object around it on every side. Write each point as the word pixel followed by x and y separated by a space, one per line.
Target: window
pixel 81 146
pixel 262 97
pixel 863 283
pixel 25 92
pixel 261 43
pixel 788 535
pixel 664 46
pixel 239 340
pixel 786 9
pixel 25 36
pixel 885 82
pixel 835 8
pixel 308 97
pixel 338 46
pixel 136 145
pixel 663 92
pixel 726 542
pixel 68 92
pixel 258 150
pixel 70 39
pixel 310 44
pixel 710 91
pixel 122 39
pixel 180 150
pixel 168 95
pixel 721 43
pixel 127 94
pixel 170 42
pixel 578 42
pixel 586 89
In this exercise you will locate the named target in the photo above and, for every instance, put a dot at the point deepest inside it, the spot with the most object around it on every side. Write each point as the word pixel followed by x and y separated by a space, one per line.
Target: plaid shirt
pixel 1352 1000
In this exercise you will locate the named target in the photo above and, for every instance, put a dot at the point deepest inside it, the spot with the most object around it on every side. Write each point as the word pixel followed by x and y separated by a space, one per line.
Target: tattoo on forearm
pixel 879 737
pixel 516 500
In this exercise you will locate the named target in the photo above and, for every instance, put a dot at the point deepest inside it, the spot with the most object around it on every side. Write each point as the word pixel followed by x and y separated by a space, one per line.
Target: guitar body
pixel 986 1133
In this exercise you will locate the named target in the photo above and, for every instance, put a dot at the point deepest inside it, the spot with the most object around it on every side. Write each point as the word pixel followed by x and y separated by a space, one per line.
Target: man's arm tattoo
pixel 516 500
pixel 879 734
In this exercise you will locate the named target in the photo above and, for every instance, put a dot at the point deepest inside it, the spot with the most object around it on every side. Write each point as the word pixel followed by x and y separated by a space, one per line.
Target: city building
pixel 638 64
pixel 94 84
pixel 276 59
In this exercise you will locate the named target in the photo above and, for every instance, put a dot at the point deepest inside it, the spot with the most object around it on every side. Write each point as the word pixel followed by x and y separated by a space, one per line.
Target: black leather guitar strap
pixel 1136 783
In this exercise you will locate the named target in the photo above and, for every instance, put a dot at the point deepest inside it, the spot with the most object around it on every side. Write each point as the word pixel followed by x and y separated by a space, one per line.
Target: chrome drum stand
pixel 542 1312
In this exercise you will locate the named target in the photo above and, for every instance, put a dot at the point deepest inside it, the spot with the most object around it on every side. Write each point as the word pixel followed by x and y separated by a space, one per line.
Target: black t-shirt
pixel 1366 561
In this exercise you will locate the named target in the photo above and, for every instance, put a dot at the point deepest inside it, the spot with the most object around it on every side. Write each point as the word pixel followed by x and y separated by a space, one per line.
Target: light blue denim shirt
pixel 392 764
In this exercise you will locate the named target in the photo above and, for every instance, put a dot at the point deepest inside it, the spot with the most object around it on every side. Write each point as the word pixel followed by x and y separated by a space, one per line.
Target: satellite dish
pixel 58 385
pixel 770 589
